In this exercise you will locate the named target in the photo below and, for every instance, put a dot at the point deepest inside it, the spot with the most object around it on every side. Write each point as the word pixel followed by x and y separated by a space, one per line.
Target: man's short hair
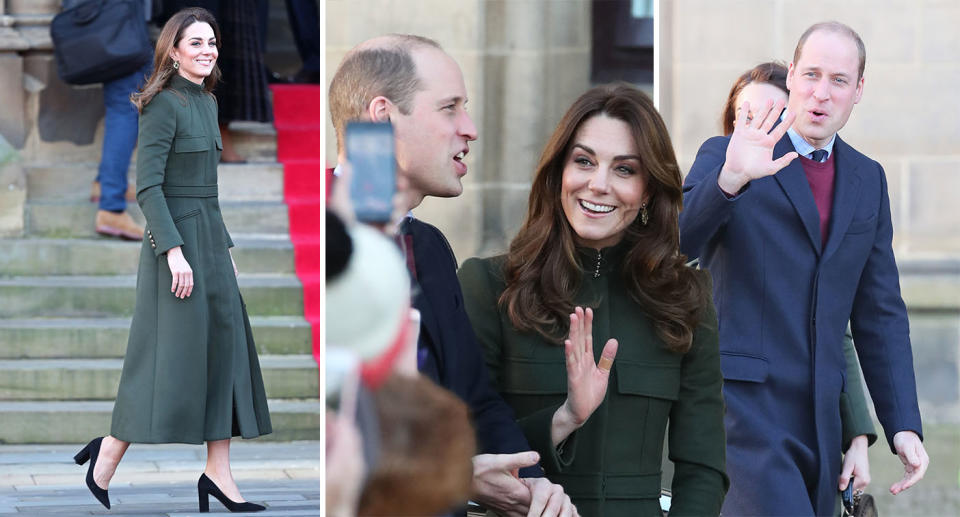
pixel 383 68
pixel 838 28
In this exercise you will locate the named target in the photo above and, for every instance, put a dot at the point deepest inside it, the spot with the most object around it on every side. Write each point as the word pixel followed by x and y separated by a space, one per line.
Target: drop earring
pixel 644 215
pixel 176 65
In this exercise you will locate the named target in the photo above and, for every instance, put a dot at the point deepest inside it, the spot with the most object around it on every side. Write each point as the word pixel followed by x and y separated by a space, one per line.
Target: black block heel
pixel 91 452
pixel 206 487
pixel 81 457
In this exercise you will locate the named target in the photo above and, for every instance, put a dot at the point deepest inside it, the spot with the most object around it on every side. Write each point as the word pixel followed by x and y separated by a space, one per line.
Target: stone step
pixel 43 422
pixel 255 141
pixel 114 296
pixel 284 376
pixel 71 182
pixel 105 256
pixel 79 338
pixel 75 219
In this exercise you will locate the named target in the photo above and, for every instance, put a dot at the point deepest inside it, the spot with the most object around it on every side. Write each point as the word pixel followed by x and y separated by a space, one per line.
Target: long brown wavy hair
pixel 163 69
pixel 542 271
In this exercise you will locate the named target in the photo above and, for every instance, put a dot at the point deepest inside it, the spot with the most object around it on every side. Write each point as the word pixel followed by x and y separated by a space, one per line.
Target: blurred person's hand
pixel 345 457
pixel 586 380
pixel 181 272
pixel 914 457
pixel 856 463
pixel 407 362
pixel 750 151
pixel 497 485
pixel 548 499
pixel 341 204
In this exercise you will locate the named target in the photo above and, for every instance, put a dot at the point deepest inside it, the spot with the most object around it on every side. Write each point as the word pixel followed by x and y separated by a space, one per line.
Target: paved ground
pixel 159 480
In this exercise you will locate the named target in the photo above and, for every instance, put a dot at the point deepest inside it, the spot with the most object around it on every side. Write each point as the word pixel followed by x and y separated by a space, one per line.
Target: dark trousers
pixel 304 16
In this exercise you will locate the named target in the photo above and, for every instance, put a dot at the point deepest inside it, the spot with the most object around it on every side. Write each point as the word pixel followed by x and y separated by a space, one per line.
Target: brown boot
pixel 118 225
pixel 131 194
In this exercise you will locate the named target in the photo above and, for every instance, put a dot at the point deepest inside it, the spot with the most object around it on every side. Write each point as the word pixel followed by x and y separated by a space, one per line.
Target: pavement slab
pixel 159 480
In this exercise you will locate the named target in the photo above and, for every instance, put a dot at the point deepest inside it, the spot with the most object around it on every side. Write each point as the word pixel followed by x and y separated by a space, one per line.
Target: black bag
pixel 100 40
pixel 856 503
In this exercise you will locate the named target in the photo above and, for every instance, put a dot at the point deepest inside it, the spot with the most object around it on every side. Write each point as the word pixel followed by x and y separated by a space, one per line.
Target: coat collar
pixel 182 83
pixel 846 194
pixel 794 183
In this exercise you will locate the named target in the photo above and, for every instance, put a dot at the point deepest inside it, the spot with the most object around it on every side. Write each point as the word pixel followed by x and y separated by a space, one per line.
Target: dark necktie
pixel 405 241
pixel 819 155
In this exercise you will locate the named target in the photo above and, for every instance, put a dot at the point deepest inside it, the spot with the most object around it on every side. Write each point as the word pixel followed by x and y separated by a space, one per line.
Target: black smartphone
pixel 374 177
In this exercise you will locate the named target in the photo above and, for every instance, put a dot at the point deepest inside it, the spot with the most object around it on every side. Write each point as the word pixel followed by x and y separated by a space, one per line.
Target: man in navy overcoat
pixel 795 228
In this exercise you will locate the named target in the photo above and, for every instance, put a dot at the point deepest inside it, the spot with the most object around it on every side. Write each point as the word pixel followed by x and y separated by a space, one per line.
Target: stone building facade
pixel 525 61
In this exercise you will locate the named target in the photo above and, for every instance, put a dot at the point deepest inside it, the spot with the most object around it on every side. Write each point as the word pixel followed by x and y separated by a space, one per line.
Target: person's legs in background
pixel 263 22
pixel 119 140
pixel 304 16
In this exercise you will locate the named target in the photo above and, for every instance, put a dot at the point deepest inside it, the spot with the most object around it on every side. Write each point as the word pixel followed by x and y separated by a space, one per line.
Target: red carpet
pixel 298 117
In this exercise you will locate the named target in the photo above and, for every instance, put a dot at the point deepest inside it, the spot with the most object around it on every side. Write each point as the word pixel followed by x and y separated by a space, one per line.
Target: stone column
pixel 530 79
pixel 13 191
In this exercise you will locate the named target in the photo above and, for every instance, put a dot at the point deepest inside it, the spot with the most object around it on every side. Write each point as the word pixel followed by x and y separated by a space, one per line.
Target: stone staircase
pixel 67 295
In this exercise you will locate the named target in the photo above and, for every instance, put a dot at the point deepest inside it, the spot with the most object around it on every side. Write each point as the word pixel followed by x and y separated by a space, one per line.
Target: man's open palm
pixel 750 152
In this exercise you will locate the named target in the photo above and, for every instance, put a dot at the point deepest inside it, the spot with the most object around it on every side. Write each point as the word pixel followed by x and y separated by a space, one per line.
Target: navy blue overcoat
pixel 783 299
pixel 446 332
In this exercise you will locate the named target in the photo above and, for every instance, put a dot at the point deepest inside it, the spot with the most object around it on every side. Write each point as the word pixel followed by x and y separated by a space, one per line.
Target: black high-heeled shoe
pixel 206 487
pixel 91 452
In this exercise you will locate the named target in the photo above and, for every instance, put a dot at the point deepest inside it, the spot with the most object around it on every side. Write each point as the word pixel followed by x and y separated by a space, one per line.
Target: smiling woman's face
pixel 603 185
pixel 196 52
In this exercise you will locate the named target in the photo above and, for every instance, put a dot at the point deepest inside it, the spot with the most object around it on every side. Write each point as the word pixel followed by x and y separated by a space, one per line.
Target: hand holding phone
pixel 370 150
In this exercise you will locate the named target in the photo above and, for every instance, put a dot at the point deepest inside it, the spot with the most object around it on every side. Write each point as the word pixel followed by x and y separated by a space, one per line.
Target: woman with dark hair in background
pixel 764 81
pixel 191 373
pixel 601 232
pixel 768 81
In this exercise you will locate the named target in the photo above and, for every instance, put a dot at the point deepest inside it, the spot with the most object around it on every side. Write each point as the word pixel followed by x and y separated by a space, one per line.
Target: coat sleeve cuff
pixel 161 231
pixel 853 424
pixel 536 427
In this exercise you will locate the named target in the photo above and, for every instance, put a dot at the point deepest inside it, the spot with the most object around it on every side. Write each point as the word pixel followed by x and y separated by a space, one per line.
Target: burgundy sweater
pixel 821 178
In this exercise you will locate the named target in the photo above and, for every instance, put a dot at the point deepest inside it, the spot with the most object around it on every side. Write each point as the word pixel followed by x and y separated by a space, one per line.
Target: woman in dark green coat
pixel 602 232
pixel 191 373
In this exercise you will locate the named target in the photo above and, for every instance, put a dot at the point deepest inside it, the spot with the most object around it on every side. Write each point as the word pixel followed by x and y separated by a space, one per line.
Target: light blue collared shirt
pixel 805 149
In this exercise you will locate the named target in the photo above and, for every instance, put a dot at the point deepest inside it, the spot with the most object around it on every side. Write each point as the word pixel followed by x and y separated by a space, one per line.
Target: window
pixel 622 41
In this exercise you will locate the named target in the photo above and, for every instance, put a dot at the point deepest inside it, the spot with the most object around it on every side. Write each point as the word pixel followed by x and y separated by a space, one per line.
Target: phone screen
pixel 374 181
